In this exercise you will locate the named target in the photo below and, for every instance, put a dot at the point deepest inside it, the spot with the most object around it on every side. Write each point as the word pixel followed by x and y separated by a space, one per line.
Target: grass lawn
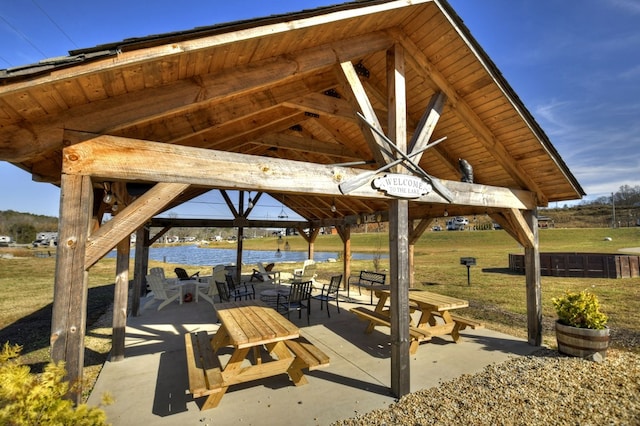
pixel 496 295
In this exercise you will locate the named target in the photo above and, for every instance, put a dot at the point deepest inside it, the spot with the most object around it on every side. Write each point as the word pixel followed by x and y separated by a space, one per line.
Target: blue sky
pixel 574 63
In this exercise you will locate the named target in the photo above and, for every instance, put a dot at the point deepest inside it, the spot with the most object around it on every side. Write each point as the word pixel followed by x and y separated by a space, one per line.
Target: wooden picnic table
pixel 250 327
pixel 431 307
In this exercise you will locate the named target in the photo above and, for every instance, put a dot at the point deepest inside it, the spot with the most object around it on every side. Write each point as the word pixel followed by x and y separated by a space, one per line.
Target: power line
pixel 23 36
pixel 10 64
pixel 54 23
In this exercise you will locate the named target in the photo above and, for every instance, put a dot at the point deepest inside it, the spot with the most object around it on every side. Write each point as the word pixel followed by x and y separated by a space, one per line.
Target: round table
pixel 270 296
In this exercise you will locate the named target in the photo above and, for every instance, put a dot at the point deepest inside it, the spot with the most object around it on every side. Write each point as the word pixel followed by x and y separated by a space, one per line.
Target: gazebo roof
pixel 270 88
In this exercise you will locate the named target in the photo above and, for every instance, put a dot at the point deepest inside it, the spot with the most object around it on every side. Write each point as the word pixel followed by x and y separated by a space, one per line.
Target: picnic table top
pixel 252 323
pixel 430 301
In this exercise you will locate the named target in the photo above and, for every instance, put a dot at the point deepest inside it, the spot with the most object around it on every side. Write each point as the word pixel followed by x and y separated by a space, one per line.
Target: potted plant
pixel 581 329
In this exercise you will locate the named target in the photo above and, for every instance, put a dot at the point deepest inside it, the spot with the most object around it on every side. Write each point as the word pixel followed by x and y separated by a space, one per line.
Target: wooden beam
pixel 427 125
pixel 351 82
pixel 68 321
pixel 115 158
pixel 514 222
pixel 129 219
pixel 344 231
pixel 159 234
pixel 321 104
pixel 134 109
pixel 120 299
pixel 416 231
pixel 229 203
pixel 141 266
pixel 532 276
pixel 398 231
pixel 421 64
pixel 169 223
pixel 307 145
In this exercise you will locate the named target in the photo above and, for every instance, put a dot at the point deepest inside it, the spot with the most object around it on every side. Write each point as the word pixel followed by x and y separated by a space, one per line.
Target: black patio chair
pixel 299 298
pixel 239 291
pixel 329 292
pixel 183 276
pixel 223 291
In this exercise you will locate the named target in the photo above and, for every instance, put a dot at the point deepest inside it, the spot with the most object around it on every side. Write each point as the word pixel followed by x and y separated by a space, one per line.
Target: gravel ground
pixel 546 388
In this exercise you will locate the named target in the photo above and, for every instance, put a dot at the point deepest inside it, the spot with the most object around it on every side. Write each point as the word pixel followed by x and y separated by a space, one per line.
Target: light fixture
pixel 108 195
pixel 333 206
pixel 114 207
pixel 282 214
pixel 250 201
pixel 446 213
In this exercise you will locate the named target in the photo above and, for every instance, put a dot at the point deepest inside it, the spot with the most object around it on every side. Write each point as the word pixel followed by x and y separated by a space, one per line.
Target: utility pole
pixel 613 205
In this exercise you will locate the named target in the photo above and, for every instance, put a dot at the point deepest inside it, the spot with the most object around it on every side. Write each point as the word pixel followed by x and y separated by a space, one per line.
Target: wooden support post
pixel 398 232
pixel 68 321
pixel 345 235
pixel 240 240
pixel 310 239
pixel 414 235
pixel 140 268
pixel 532 276
pixel 412 266
pixel 399 280
pixel 313 235
pixel 120 299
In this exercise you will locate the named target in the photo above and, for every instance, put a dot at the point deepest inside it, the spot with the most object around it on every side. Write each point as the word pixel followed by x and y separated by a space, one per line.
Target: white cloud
pixel 632 6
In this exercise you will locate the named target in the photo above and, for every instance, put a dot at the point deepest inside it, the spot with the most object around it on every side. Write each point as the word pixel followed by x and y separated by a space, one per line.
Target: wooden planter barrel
pixel 581 342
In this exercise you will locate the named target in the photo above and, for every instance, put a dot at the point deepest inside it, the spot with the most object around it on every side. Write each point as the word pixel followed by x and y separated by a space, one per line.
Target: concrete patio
pixel 149 384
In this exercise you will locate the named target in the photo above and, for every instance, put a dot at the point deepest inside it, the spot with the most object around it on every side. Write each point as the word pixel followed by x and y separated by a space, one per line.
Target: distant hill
pixel 592 216
pixel 23 227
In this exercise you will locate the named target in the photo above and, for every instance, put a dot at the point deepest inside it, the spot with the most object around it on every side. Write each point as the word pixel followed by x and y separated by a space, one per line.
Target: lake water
pixel 194 255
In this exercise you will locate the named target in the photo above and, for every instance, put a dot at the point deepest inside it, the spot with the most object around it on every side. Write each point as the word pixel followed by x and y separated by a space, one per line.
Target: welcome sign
pixel 402 186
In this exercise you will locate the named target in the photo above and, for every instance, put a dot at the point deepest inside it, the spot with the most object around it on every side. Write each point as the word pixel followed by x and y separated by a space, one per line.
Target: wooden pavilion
pixel 305 107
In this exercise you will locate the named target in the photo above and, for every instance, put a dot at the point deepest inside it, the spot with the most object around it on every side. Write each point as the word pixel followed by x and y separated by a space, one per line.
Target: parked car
pixel 437 228
pixel 458 223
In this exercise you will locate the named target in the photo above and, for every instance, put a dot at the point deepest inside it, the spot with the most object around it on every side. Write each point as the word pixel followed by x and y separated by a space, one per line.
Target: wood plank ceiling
pixel 271 88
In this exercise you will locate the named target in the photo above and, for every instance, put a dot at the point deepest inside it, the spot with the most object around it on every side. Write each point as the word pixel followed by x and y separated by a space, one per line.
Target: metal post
pixel 613 205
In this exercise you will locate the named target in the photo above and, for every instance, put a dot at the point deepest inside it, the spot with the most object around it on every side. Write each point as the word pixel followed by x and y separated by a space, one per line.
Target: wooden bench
pixel 203 366
pixel 370 280
pixel 309 355
pixel 460 324
pixel 378 318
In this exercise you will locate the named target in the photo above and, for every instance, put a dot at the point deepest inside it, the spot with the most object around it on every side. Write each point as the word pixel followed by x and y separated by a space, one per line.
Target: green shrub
pixel 30 399
pixel 580 310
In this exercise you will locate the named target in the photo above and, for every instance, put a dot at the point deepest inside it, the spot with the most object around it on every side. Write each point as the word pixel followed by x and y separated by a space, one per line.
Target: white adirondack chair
pixel 162 291
pixel 307 273
pixel 266 276
pixel 208 290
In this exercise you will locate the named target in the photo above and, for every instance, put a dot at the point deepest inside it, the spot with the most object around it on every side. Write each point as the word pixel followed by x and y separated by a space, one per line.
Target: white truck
pixel 458 223
pixel 46 239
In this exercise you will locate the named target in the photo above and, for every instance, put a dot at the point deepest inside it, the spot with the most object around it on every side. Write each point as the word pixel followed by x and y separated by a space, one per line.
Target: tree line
pixel 626 196
pixel 23 227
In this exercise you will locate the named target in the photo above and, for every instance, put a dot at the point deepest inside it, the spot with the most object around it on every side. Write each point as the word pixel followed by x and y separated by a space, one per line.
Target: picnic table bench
pixel 372 281
pixel 250 327
pixel 461 323
pixel 431 306
pixel 382 318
